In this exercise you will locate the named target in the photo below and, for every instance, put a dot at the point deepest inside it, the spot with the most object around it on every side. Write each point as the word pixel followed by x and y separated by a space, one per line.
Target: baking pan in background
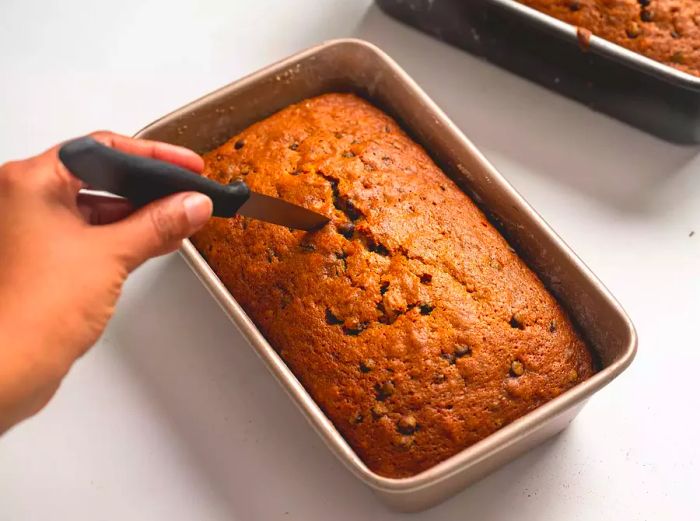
pixel 357 66
pixel 607 77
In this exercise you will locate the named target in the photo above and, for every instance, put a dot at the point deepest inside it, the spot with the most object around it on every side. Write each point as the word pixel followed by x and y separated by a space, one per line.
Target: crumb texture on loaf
pixel 408 318
pixel 663 30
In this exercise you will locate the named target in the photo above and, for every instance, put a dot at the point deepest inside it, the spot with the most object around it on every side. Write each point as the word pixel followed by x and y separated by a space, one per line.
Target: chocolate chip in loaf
pixel 367 365
pixel 647 15
pixel 294 146
pixel 426 309
pixel 407 424
pixel 355 330
pixel 379 249
pixel 574 5
pixel 517 368
pixel 449 357
pixel 239 144
pixel 384 287
pixel 426 278
pixel 346 230
pixel 644 3
pixel 552 326
pixel 384 390
pixel 515 323
pixel 308 247
pixel 379 410
pixel 462 350
pixel 633 30
pixel 387 129
pixel 331 319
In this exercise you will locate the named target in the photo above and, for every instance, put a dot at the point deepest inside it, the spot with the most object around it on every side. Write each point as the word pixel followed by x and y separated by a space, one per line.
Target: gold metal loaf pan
pixel 357 66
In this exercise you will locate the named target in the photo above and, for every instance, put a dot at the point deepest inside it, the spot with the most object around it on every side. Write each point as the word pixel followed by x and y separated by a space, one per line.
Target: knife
pixel 142 180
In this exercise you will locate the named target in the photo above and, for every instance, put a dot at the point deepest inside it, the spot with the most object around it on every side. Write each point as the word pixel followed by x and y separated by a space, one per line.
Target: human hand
pixel 63 259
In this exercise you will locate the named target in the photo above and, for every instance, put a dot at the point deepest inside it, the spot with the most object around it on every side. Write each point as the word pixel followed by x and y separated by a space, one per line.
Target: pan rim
pixel 475 453
pixel 604 47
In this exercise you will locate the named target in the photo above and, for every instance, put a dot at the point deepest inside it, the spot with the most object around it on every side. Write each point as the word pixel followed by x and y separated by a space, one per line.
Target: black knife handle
pixel 142 179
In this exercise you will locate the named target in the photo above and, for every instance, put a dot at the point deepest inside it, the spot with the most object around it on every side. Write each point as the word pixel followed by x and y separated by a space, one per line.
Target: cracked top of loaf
pixel 408 318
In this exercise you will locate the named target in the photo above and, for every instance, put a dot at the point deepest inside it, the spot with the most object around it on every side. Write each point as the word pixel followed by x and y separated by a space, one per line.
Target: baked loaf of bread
pixel 664 30
pixel 408 318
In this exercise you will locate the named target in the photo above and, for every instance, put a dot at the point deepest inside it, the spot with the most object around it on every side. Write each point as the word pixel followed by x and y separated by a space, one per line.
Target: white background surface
pixel 172 417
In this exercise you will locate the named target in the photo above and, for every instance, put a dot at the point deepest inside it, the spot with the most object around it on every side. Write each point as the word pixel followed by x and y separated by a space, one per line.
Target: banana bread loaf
pixel 408 318
pixel 663 30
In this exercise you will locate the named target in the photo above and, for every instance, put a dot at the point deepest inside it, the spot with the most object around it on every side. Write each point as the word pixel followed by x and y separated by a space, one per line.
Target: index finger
pixel 180 156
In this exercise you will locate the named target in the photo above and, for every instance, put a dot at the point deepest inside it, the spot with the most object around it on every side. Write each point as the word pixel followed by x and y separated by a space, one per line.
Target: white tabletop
pixel 172 417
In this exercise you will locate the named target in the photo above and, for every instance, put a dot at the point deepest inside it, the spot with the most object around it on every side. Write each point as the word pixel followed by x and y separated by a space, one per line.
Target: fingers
pixel 180 156
pixel 44 174
pixel 159 227
pixel 97 209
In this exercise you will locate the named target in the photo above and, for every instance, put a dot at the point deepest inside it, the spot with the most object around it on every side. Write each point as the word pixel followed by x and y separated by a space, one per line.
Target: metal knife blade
pixel 278 211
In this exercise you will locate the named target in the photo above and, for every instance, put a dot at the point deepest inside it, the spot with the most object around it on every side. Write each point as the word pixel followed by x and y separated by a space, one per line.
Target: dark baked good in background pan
pixel 667 31
pixel 408 318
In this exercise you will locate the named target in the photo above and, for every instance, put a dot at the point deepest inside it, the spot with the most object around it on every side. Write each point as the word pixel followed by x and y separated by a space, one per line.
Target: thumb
pixel 159 227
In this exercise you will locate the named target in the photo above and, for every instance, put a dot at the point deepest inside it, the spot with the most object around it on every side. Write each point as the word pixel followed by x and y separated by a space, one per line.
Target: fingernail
pixel 198 209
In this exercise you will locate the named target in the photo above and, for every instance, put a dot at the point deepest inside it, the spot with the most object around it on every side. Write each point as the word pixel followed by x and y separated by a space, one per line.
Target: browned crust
pixel 667 31
pixel 408 319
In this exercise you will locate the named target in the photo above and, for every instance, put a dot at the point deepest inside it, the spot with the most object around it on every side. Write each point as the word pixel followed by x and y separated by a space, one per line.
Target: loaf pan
pixel 605 76
pixel 359 67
